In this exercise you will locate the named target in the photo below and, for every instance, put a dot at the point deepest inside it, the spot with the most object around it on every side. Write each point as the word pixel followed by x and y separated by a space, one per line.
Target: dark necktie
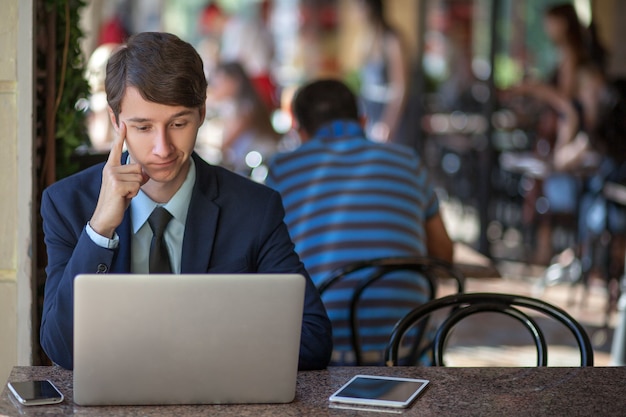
pixel 159 258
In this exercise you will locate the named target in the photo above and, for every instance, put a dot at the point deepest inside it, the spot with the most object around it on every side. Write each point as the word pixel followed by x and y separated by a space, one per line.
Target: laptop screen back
pixel 186 339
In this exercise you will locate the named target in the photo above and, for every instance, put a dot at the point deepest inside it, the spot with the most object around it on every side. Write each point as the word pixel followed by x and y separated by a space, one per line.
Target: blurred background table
pixel 472 263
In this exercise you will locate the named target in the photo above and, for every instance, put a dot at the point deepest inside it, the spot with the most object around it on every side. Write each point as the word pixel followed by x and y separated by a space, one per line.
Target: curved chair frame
pixel 426 266
pixel 464 305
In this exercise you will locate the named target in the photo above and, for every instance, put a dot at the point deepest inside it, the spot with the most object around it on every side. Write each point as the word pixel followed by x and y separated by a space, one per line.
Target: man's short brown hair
pixel 161 66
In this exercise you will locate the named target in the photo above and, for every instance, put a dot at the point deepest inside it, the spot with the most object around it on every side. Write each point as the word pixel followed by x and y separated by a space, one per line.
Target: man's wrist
pixel 107 232
pixel 102 241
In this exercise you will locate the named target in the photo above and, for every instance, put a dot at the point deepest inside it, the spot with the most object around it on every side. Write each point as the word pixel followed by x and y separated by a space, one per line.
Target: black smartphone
pixel 35 392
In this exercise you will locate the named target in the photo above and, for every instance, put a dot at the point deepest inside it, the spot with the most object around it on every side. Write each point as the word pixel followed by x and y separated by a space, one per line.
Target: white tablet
pixel 381 391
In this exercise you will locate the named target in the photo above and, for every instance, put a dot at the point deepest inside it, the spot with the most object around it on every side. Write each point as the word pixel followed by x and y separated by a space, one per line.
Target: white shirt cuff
pixel 102 241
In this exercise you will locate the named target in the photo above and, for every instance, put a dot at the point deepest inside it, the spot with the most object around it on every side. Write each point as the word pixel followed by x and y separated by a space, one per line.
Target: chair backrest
pixel 429 268
pixel 464 305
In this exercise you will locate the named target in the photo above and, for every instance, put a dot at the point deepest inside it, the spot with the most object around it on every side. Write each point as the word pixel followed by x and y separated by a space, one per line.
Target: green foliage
pixel 71 84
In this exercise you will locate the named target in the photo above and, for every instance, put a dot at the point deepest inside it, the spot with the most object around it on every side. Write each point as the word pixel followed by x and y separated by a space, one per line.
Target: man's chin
pixel 165 173
pixel 161 178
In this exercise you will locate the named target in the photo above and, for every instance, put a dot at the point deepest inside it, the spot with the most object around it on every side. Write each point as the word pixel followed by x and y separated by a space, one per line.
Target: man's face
pixel 159 137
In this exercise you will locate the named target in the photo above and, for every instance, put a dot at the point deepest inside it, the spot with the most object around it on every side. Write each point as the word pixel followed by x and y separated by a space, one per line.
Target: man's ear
pixel 113 119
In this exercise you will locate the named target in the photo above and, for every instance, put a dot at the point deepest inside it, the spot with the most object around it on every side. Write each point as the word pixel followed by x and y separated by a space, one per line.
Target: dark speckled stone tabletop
pixel 452 392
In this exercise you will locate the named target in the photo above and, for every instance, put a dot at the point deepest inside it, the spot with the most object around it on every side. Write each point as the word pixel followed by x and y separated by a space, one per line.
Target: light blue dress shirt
pixel 140 209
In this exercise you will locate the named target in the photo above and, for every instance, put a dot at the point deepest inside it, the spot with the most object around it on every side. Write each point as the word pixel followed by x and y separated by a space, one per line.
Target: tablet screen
pixel 382 391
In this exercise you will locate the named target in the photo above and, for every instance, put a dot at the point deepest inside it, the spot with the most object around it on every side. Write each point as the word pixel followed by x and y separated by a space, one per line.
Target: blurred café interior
pixel 472 107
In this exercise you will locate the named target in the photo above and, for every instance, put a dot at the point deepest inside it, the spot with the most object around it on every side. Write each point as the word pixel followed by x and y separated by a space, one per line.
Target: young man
pixel 99 220
pixel 349 199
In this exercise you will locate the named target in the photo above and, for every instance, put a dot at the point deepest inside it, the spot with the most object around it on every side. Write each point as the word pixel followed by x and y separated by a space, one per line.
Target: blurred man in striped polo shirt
pixel 348 199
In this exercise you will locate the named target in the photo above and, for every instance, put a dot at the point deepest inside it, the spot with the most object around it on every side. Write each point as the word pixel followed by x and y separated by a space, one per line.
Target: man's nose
pixel 162 143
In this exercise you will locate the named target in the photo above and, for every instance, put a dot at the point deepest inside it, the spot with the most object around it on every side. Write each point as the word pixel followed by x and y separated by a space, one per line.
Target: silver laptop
pixel 186 339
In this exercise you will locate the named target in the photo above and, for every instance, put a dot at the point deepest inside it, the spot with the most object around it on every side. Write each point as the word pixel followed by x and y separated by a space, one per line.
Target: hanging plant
pixel 71 85
pixel 60 127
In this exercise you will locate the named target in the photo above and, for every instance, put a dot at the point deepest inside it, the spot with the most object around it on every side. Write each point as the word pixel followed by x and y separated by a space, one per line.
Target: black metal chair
pixel 429 268
pixel 464 305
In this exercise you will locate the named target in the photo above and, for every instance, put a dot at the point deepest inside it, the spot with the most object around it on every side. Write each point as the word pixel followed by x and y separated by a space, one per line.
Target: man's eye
pixel 142 128
pixel 179 124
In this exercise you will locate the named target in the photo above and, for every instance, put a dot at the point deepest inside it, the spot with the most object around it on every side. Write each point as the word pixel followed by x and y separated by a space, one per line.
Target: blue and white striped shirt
pixel 348 199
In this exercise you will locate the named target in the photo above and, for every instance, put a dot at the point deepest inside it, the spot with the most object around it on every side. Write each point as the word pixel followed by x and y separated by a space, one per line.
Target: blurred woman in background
pixel 247 130
pixel 383 74
pixel 573 93
pixel 577 47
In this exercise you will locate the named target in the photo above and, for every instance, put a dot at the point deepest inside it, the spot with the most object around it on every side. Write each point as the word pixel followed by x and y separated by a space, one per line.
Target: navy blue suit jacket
pixel 233 225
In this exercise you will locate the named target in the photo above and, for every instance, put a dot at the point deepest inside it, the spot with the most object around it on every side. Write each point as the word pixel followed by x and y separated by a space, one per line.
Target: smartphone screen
pixel 379 391
pixel 35 392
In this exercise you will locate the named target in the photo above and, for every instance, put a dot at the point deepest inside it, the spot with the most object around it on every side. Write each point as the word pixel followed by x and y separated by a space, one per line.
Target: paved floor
pixel 490 340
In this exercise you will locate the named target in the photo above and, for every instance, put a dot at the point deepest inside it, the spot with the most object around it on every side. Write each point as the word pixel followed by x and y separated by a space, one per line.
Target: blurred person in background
pixel 577 47
pixel 244 37
pixel 589 151
pixel 593 149
pixel 244 118
pixel 383 73
pixel 211 22
pixel 573 97
pixel 350 199
pixel 99 128
pixel 115 27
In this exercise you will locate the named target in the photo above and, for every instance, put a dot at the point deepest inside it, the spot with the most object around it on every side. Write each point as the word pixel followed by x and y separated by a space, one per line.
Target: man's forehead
pixel 135 107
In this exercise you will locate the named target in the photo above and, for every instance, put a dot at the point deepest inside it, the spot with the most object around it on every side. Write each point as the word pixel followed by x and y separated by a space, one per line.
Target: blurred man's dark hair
pixel 321 102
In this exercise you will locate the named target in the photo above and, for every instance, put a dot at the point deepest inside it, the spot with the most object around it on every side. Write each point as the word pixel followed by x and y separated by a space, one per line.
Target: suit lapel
pixel 202 218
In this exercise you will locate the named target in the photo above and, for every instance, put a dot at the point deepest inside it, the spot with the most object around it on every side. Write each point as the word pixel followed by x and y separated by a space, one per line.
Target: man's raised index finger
pixel 117 146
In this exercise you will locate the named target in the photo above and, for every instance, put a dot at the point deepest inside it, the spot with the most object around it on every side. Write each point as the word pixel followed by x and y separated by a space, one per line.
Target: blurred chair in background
pixel 366 316
pixel 518 307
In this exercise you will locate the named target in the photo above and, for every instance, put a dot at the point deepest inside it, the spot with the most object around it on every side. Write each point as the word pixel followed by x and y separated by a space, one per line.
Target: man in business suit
pixel 99 220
